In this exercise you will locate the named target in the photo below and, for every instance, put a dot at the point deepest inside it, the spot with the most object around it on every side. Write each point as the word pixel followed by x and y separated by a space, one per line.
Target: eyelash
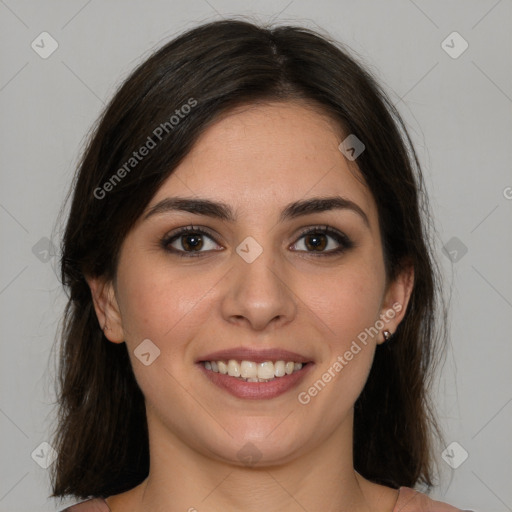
pixel 343 240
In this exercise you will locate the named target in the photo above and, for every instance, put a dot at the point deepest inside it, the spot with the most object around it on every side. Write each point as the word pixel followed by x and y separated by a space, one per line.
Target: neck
pixel 182 479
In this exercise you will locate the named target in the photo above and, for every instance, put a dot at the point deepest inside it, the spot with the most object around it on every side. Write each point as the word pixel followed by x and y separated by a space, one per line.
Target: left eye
pixel 322 240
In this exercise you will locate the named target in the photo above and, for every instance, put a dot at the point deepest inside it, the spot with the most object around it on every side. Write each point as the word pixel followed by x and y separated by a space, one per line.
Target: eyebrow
pixel 224 212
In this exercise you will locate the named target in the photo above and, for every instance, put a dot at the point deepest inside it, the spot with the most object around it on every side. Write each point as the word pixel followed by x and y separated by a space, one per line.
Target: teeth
pixel 233 368
pixel 248 370
pixel 266 370
pixel 279 369
pixel 253 372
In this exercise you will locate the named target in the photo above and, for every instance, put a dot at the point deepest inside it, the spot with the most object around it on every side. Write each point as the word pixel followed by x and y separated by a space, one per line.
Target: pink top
pixel 409 500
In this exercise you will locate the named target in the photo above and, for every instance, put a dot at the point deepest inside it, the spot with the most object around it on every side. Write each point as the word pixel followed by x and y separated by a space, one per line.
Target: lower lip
pixel 256 390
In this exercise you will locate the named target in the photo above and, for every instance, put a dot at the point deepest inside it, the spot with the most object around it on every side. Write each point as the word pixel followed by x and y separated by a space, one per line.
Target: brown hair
pixel 101 435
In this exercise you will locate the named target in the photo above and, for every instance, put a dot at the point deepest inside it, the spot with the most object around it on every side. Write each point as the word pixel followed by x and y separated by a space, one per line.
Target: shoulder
pixel 93 505
pixel 410 500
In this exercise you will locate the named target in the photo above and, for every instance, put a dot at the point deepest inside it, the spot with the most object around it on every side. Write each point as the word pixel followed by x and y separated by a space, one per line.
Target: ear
pixel 107 308
pixel 396 299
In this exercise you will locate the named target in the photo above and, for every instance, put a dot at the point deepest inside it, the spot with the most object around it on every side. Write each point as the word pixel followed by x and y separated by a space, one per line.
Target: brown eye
pixel 325 241
pixel 316 241
pixel 190 241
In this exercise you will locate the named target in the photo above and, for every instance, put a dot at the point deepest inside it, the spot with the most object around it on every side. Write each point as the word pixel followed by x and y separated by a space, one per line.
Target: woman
pixel 252 301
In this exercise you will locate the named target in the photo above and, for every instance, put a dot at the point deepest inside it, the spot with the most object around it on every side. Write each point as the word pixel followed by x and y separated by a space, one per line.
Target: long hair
pixel 101 436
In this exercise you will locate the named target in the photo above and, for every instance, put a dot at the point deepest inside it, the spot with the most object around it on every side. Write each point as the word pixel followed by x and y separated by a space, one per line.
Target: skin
pixel 257 159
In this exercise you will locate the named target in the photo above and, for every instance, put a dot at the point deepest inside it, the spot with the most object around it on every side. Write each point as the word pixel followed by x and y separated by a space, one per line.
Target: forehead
pixel 259 156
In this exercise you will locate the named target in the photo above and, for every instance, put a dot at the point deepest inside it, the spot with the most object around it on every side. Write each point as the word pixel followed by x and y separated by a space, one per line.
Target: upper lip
pixel 253 354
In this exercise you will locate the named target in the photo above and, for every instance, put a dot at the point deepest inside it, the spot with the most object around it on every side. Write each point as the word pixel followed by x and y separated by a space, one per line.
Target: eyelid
pixel 190 228
pixel 325 228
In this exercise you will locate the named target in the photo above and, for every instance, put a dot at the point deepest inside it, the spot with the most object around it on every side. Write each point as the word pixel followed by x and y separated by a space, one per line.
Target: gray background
pixel 458 111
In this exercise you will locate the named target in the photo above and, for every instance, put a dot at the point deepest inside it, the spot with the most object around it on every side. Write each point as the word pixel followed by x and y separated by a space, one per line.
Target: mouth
pixel 252 374
pixel 251 371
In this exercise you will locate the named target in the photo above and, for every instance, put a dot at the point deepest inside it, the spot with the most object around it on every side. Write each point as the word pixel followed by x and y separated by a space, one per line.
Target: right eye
pixel 190 241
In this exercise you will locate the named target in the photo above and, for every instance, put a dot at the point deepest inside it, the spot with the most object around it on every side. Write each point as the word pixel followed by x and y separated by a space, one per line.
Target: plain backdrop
pixel 456 102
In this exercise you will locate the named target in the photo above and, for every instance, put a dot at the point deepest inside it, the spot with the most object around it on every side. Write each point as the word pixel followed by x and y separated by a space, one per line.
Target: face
pixel 269 275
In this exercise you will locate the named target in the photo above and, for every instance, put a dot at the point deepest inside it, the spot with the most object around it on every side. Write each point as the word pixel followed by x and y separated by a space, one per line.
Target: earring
pixel 387 335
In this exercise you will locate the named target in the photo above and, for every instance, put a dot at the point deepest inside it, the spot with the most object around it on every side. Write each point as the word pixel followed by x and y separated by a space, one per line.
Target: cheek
pixel 167 307
pixel 348 308
pixel 158 302
pixel 348 300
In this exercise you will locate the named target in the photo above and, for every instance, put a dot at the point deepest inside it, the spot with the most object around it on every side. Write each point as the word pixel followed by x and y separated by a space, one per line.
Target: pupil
pixel 316 242
pixel 193 242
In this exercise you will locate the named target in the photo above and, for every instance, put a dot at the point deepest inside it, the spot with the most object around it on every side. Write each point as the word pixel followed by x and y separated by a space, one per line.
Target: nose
pixel 258 294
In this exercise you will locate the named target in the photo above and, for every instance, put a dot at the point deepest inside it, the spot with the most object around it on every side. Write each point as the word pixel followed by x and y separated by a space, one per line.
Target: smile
pixel 251 371
pixel 277 377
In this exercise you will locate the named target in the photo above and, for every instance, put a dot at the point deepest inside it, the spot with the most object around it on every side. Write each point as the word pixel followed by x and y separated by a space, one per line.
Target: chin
pixel 256 448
